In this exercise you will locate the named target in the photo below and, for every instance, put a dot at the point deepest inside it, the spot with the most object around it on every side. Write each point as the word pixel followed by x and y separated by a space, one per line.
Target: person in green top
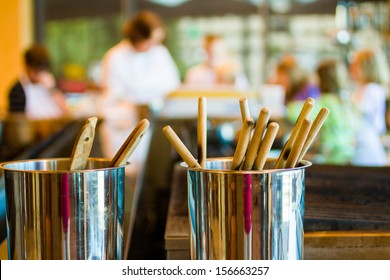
pixel 336 141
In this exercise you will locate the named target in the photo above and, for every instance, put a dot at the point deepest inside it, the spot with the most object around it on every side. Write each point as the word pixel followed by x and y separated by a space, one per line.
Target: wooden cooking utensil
pixel 314 129
pixel 306 109
pixel 256 140
pixel 131 143
pixel 266 146
pixel 242 144
pixel 180 147
pixel 202 131
pixel 83 145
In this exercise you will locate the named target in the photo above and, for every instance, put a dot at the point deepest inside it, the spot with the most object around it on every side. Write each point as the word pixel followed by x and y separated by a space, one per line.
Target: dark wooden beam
pixel 63 9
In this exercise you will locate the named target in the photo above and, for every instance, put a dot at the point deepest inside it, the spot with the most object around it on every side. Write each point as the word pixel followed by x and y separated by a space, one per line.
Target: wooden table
pixel 346 215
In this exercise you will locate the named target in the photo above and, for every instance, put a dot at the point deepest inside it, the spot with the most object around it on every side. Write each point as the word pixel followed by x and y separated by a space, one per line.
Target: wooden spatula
pixel 83 145
pixel 128 147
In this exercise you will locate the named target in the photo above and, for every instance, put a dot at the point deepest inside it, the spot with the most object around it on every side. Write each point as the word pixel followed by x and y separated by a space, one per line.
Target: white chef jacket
pixel 132 78
pixel 138 77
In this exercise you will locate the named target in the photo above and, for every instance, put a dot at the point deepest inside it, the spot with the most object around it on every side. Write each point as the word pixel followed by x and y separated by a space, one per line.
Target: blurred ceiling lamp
pixel 169 3
pixel 305 1
pixel 341 16
pixel 280 6
pixel 343 37
pixel 253 2
pixel 256 2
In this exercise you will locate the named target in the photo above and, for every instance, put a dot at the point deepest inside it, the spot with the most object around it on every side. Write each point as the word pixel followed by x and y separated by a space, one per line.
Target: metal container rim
pixel 3 166
pixel 302 165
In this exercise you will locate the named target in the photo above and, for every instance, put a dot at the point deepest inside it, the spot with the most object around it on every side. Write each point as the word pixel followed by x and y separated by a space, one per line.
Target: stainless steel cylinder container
pixel 246 215
pixel 54 213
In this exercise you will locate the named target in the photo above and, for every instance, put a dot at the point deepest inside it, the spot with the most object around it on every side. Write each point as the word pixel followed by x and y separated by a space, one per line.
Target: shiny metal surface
pixel 53 213
pixel 250 215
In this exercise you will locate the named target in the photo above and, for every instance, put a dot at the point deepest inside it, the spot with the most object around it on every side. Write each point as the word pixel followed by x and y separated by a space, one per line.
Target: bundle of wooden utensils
pixel 83 145
pixel 255 141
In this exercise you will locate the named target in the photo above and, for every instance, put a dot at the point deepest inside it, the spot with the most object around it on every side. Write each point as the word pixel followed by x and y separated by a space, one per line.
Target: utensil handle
pixel 180 147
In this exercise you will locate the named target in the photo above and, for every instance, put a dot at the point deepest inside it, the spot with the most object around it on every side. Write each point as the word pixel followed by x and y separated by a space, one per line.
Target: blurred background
pixel 258 33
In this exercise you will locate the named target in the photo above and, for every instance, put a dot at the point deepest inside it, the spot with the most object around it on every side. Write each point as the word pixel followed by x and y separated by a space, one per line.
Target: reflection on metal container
pixel 250 215
pixel 53 213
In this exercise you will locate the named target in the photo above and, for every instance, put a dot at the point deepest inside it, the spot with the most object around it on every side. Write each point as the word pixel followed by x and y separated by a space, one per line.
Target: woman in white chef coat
pixel 137 72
